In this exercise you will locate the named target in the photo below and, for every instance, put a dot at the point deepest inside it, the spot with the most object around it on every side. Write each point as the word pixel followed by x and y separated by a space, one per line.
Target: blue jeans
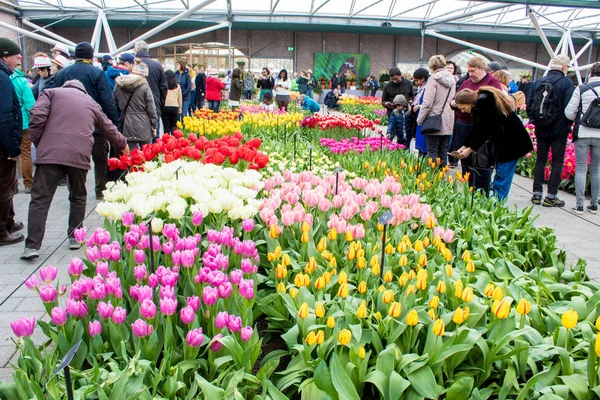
pixel 248 94
pixel 505 171
pixel 214 105
pixel 185 108
pixel 310 93
pixel 192 106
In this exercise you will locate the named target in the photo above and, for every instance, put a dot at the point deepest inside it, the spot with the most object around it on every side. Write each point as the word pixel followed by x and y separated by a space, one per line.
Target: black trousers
pixel 45 182
pixel 100 157
pixel 169 118
pixel 558 146
pixel 8 176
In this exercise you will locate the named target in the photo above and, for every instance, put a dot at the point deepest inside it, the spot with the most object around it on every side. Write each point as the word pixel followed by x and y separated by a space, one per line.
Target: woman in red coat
pixel 213 90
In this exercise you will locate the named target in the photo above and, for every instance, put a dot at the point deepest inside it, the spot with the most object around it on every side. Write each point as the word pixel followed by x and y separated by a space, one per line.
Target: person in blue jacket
pixel 122 68
pixel 185 83
pixel 309 104
pixel 399 121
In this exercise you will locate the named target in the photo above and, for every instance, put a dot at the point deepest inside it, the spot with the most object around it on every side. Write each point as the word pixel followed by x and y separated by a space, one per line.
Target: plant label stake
pixel 284 133
pixel 310 149
pixel 337 175
pixel 381 142
pixel 64 365
pixel 177 172
pixel 295 134
pixel 151 242
pixel 383 220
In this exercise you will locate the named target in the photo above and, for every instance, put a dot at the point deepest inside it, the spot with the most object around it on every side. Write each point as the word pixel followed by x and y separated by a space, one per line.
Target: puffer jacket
pixel 62 123
pixel 561 126
pixel 185 83
pixel 24 94
pixel 213 88
pixel 436 101
pixel 11 118
pixel 139 119
pixel 573 107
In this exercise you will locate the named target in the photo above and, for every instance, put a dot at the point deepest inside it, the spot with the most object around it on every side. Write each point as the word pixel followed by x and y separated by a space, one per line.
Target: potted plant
pixel 384 78
pixel 352 83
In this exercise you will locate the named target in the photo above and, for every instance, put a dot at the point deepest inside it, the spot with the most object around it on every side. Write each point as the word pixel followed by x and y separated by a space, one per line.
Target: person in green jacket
pixel 294 82
pixel 25 95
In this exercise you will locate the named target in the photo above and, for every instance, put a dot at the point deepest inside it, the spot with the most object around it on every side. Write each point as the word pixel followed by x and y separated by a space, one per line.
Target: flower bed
pixel 351 145
pixel 368 106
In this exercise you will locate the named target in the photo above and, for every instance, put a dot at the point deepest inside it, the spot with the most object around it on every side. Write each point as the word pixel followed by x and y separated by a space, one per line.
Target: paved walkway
pixel 576 233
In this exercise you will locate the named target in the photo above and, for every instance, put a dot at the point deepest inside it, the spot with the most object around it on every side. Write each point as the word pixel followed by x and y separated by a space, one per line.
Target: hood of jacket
pixel 130 82
pixel 444 77
pixel 17 73
pixel 75 84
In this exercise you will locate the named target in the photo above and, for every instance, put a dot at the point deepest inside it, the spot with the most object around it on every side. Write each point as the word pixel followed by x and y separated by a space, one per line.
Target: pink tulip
pixel 140 272
pixel 169 279
pixel 234 323
pixel 127 218
pixel 236 276
pixel 32 282
pixel 148 309
pixel 94 328
pixel 197 218
pixel 194 302
pixel 170 231
pixel 167 292
pixel 187 315
pixel 153 281
pixel 102 267
pixel 187 259
pixel 23 327
pixel 448 236
pixel 287 218
pixel 101 236
pixel 248 225
pixel 194 338
pixel 139 256
pixel 168 306
pixel 225 290
pixel 80 234
pixel 47 293
pixel 105 310
pixel 246 288
pixel 145 292
pixel 216 345
pixel 59 316
pixel 246 333
pixel 209 295
pixel 48 274
pixel 141 329
pixel 75 267
pixel 92 254
pixel 119 315
pixel 98 291
pixel 221 319
pixel 77 308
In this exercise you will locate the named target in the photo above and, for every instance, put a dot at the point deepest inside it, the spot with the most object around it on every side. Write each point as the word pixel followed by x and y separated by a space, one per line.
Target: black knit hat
pixel 84 51
pixel 8 48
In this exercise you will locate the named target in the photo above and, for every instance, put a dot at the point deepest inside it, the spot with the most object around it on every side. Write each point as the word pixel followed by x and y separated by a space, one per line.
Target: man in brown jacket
pixel 61 128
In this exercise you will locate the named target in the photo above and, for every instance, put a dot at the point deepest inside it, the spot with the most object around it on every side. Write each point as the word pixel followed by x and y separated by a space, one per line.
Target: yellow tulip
pixel 362 287
pixel 360 263
pixel 305 227
pixel 489 290
pixel 569 319
pixel 360 253
pixel 430 224
pixel 285 260
pixel 498 295
pixel 322 246
pixel 332 235
pixel 349 237
pixel 395 309
pixel 448 270
pixel 361 352
pixel 281 271
pixel 374 261
pixel 277 252
pixel 410 289
pixel 299 280
pixel 351 254
pixel 344 337
pixel 403 261
pixel 293 292
pixel 458 289
pixel 388 296
pixel 305 237
pixel 403 280
pixel 311 338
pixel 434 302
pixel 376 269
pixel 331 322
pixel 412 318
pixel 523 307
pixel 421 284
pixel 303 311
pixel 431 314
pixel 501 308
pixel 441 287
pixel 437 240
pixel 380 289
pixel 319 310
pixel 343 277
pixel 362 310
pixel 273 231
pixel 343 290
pixel 320 336
pixel 418 246
pixel 320 283
pixel 423 260
pixel 281 287
pixel 466 257
pixel 378 316
pixel 597 345
pixel 402 247
pixel 327 277
pixel 311 265
pixel 470 267
pixel 459 316
pixel 447 255
pixel 467 294
pixel 439 328
pixel 411 275
pixel 389 249
pixel 426 241
pixel 422 274
pixel 388 276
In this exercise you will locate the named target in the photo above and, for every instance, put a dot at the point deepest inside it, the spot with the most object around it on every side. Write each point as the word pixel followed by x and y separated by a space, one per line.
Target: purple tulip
pixel 246 333
pixel 141 329
pixel 48 274
pixel 119 315
pixel 222 319
pixel 194 338
pixel 59 316
pixel 94 328
pixel 187 315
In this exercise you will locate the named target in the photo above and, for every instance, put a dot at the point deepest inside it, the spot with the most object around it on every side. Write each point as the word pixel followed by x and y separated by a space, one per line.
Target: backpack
pixel 594 108
pixel 546 106
pixel 591 118
pixel 376 84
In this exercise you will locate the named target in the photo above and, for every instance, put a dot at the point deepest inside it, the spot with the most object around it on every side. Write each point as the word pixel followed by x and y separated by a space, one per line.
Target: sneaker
pixel 536 199
pixel 593 209
pixel 11 238
pixel 554 202
pixel 74 244
pixel 30 254
pixel 578 210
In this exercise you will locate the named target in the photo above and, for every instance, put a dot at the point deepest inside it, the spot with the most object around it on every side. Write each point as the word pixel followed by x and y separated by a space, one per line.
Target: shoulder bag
pixel 433 123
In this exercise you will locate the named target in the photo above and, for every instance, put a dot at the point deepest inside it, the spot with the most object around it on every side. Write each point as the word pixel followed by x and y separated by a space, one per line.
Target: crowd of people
pixel 452 117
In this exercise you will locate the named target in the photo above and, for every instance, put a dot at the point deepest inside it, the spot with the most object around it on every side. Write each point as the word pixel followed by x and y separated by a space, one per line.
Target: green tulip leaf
pixel 460 389
pixel 423 382
pixel 341 381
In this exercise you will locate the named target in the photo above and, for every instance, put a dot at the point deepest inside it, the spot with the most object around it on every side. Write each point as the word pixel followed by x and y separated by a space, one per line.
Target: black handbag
pixel 486 156
pixel 433 123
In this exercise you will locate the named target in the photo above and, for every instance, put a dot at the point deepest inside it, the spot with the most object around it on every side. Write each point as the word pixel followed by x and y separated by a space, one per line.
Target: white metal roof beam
pixel 94 4
pixel 392 6
pixel 412 9
pixel 141 5
pixel 367 7
pixel 540 32
pixel 352 8
pixel 185 3
pixel 47 32
pixel 110 40
pixel 318 8
pixel 274 6
pixel 220 25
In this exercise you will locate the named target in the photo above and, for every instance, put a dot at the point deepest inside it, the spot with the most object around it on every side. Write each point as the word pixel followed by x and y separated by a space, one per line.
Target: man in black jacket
pixel 397 85
pixel 11 121
pixel 342 81
pixel 200 83
pixel 552 136
pixel 156 76
pixel 96 85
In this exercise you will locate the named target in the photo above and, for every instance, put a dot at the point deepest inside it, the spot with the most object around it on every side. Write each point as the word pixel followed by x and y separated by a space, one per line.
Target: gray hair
pixel 141 46
pixel 560 61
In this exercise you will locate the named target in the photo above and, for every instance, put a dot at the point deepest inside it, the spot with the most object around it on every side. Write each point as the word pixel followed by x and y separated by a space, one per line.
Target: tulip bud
pixel 351 254
pixel 349 237
pixel 281 287
pixel 362 287
pixel 439 328
pixel 293 292
pixel 344 337
pixel 281 271
pixel 501 308
pixel 395 309
pixel 388 296
pixel 466 257
pixel 448 270
pixel 322 246
pixel 343 277
pixel 331 322
pixel 361 312
pixel 389 249
pixel 361 352
pixel 412 318
pixel 303 311
pixel 569 319
pixel 423 260
pixel 285 260
pixel 489 290
pixel 459 316
pixel 311 338
pixel 343 290
pixel 273 232
pixel 402 247
pixel 360 264
pixel 431 314
pixel 418 246
pixel 388 276
pixel 421 284
pixel 403 279
pixel 410 289
pixel 320 283
pixel 467 294
pixel 320 336
pixel 319 310
pixel 458 289
pixel 305 237
pixel 597 345
pixel 376 269
pixel 437 240
pixel 426 241
pixel 498 295
pixel 332 235
pixel 523 307
pixel 441 287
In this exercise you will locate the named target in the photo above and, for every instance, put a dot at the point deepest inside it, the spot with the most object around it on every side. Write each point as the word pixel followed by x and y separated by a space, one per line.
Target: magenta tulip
pixel 187 315
pixel 48 274
pixel 248 225
pixel 168 306
pixel 194 337
pixel 32 282
pixel 209 295
pixel 80 234
pixel 221 320
pixel 59 316
pixel 246 333
pixel 75 267
pixel 194 302
pixel 23 326
pixel 197 217
pixel 47 293
pixel 148 309
pixel 94 328
pixel 217 345
pixel 127 218
pixel 141 329
pixel 119 315
pixel 105 310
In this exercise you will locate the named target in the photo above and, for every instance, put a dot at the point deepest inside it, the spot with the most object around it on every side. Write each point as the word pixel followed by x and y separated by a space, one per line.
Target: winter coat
pixel 185 83
pixel 488 80
pixel 342 81
pixel 249 82
pixel 200 83
pixel 266 83
pixel 24 94
pixel 112 73
pixel 95 83
pixel 391 90
pixel 302 84
pixel 334 82
pixel 40 85
pixel 572 110
pixel 11 116
pixel 62 123
pixel 213 88
pixel 330 99
pixel 310 105
pixel 507 133
pixel 138 121
pixel 174 98
pixel 400 123
pixel 436 101
pixel 156 79
pixel 561 127
pixel 235 93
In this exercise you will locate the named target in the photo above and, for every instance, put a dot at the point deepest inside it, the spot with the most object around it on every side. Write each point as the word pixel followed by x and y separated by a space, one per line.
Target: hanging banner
pixel 355 66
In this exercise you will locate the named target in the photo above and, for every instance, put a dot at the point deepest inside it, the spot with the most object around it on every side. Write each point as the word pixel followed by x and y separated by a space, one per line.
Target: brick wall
pixel 8 19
